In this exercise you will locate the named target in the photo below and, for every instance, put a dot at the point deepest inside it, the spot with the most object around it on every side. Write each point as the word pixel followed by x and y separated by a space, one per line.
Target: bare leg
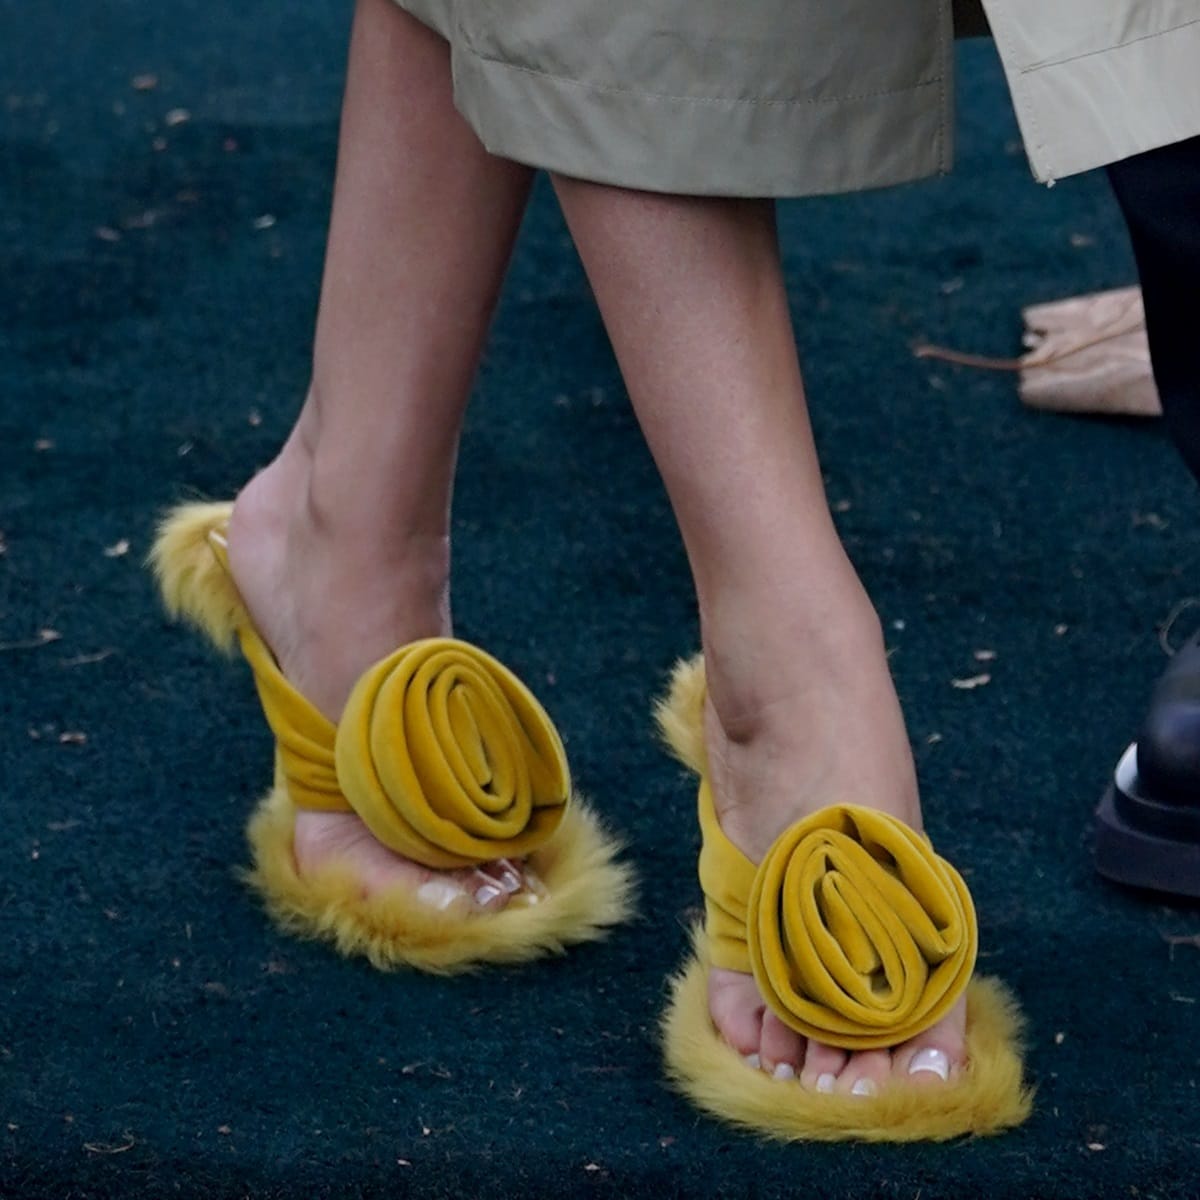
pixel 802 710
pixel 341 546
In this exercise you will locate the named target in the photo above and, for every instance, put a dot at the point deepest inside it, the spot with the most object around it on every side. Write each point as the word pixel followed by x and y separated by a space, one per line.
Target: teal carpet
pixel 158 277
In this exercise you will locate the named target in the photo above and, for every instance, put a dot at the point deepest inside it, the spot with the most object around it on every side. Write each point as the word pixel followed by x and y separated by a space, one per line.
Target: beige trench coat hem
pixel 1132 86
pixel 707 146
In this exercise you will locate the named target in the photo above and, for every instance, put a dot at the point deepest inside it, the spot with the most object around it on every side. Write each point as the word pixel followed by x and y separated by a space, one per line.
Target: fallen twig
pixel 44 638
pixel 83 660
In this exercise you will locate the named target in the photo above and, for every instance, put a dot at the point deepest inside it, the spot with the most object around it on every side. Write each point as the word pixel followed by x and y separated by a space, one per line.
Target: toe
pixel 436 891
pixel 506 873
pixel 865 1073
pixel 471 889
pixel 737 1010
pixel 781 1048
pixel 936 1055
pixel 486 891
pixel 531 881
pixel 822 1066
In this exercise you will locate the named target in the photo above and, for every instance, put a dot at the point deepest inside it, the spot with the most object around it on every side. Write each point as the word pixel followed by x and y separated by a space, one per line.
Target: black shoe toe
pixel 1168 754
pixel 1148 824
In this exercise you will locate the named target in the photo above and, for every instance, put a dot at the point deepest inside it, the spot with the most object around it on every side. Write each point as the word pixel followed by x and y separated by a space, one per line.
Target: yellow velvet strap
pixel 448 758
pixel 304 736
pixel 856 932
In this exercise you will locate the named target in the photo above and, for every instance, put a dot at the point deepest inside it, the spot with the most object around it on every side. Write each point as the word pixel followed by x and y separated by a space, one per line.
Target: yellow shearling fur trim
pixel 194 586
pixel 680 714
pixel 587 890
pixel 988 1096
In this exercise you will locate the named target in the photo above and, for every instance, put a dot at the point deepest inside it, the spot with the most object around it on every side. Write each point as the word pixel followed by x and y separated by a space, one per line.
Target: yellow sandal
pixel 858 935
pixel 446 756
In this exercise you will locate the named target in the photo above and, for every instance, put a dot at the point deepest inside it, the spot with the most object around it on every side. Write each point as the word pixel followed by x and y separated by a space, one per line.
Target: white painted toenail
pixel 486 893
pixel 510 880
pixel 931 1059
pixel 863 1087
pixel 825 1082
pixel 438 893
pixel 784 1071
pixel 752 1060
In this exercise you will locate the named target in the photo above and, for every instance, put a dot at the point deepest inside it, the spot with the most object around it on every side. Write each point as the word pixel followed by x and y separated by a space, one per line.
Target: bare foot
pixel 828 732
pixel 330 603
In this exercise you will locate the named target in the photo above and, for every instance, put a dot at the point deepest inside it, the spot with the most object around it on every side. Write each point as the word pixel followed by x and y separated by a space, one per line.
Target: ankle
pixel 384 489
pixel 383 566
pixel 797 723
pixel 330 597
pixel 761 665
pixel 375 541
pixel 301 511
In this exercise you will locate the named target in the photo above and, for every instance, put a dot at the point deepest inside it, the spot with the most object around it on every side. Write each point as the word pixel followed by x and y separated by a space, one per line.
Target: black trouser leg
pixel 1148 827
pixel 1159 193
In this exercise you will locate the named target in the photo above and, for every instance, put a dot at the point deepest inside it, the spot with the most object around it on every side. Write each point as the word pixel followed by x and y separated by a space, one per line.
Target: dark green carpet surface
pixel 158 276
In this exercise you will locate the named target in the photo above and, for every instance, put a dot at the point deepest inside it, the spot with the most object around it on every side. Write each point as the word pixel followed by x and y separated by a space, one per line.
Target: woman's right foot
pixel 329 602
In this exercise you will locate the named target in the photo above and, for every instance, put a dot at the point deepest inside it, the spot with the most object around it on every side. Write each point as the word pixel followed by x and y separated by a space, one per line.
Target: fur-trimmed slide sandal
pixel 859 936
pixel 445 755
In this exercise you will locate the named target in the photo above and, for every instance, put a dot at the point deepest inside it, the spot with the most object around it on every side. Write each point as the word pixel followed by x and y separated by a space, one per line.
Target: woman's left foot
pixel 827 728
